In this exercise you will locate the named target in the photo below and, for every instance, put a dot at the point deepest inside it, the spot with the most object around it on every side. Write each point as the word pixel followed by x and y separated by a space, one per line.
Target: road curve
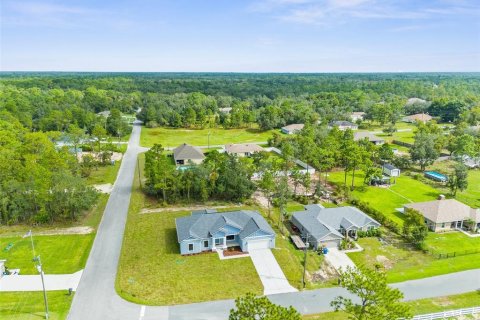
pixel 96 297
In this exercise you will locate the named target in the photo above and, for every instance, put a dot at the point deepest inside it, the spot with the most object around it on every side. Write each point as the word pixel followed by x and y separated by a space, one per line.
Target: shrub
pixel 377 215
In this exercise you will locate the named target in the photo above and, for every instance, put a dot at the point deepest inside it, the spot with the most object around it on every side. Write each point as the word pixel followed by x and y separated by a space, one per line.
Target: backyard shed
pixel 390 170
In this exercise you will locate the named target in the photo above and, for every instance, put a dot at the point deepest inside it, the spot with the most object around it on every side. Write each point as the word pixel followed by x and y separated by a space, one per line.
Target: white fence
pixel 448 314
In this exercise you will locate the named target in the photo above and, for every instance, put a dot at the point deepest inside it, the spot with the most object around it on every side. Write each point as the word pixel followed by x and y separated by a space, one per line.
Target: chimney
pixel 441 197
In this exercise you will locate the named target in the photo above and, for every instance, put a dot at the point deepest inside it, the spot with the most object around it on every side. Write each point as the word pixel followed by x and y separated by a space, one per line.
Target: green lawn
pixel 30 306
pixel 152 271
pixel 404 264
pixel 59 254
pixel 386 200
pixel 470 196
pixel 104 174
pixel 170 137
pixel 423 306
pixel 451 242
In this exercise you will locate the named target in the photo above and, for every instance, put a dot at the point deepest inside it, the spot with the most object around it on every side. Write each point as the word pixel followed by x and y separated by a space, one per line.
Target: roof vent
pixel 441 197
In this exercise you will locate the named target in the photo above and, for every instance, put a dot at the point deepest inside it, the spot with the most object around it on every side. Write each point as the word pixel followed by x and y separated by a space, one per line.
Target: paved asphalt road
pixel 96 297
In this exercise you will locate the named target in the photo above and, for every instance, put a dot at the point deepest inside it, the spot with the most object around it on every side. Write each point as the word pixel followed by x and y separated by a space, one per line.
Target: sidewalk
pixel 34 282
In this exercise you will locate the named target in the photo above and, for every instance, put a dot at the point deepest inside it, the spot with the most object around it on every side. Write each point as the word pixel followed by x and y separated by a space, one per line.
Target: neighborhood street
pixel 96 297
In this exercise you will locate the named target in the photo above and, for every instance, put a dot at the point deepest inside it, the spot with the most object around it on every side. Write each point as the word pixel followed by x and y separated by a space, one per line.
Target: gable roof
pixel 185 152
pixel 293 127
pixel 389 166
pixel 447 210
pixel 319 221
pixel 202 226
pixel 342 123
pixel 242 148
pixel 419 117
pixel 362 135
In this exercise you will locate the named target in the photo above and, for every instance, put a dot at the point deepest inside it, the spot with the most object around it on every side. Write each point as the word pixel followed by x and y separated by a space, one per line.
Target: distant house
pixel 391 171
pixel 447 214
pixel 328 226
pixel 225 110
pixel 343 125
pixel 184 154
pixel 412 101
pixel 293 128
pixel 242 150
pixel 357 136
pixel 355 116
pixel 105 114
pixel 419 117
pixel 207 230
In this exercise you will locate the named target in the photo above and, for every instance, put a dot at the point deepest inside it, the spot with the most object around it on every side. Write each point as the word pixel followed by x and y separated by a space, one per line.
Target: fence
pixel 448 314
pixel 441 255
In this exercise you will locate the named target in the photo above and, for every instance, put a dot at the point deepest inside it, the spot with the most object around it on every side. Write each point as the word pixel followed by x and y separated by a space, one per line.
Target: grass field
pixel 104 174
pixel 451 242
pixel 59 254
pixel 386 200
pixel 404 264
pixel 423 306
pixel 30 306
pixel 170 137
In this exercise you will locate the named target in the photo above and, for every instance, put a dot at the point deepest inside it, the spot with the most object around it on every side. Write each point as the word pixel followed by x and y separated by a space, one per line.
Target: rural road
pixel 96 297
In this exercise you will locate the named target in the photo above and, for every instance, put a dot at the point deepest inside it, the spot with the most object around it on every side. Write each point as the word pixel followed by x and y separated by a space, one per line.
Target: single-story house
pixel 420 117
pixel 208 230
pixel 329 226
pixel 390 170
pixel 355 116
pixel 225 110
pixel 104 114
pixel 243 150
pixel 447 214
pixel 357 136
pixel 184 154
pixel 293 128
pixel 343 125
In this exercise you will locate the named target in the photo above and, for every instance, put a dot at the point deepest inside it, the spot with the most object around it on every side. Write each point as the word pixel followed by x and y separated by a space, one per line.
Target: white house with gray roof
pixel 208 230
pixel 328 226
pixel 185 154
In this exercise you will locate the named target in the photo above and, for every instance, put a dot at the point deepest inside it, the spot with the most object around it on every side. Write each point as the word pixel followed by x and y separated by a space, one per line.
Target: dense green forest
pixel 38 109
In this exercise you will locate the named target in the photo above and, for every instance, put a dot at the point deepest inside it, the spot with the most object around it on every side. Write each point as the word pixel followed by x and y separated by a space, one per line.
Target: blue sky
pixel 240 36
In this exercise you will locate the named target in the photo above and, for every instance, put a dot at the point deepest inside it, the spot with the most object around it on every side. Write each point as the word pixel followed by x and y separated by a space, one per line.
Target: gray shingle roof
pixel 389 166
pixel 202 226
pixel 242 148
pixel 362 135
pixel 185 152
pixel 342 123
pixel 319 221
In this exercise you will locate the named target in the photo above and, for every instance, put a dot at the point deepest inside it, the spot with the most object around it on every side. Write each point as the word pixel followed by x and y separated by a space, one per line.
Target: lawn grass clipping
pixel 30 306
pixel 152 271
pixel 173 137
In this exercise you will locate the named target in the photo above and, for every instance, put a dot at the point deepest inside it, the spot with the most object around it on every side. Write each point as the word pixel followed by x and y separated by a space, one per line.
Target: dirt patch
pixel 66 231
pixel 116 156
pixel 259 197
pixel 325 273
pixel 104 188
pixel 189 208
pixel 442 301
pixel 387 263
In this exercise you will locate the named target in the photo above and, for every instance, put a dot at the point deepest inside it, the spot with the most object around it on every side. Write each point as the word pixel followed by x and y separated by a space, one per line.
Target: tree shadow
pixel 171 244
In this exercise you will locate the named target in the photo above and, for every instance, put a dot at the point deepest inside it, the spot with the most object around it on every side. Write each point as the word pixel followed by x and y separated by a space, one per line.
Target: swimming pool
pixel 436 176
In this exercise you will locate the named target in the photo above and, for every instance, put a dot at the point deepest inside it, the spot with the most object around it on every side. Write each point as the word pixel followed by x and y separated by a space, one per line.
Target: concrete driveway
pixel 338 259
pixel 271 275
pixel 34 282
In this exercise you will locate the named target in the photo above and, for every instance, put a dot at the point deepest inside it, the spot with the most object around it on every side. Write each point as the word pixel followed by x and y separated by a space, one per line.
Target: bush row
pixel 377 215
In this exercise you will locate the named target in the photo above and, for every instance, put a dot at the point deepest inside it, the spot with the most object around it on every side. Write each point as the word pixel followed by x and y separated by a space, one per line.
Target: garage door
pixel 258 244
pixel 330 244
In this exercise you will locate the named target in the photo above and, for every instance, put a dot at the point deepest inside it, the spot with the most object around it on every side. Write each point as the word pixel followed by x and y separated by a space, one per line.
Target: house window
pixel 443 225
pixel 218 241
pixel 190 247
pixel 205 243
pixel 230 237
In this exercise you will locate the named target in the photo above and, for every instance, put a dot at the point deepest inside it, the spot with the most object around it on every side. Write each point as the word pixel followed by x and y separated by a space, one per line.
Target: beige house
pixel 355 116
pixel 420 117
pixel 185 154
pixel 447 214
pixel 242 150
pixel 293 128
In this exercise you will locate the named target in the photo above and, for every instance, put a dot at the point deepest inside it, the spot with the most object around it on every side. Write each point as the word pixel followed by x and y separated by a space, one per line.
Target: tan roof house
pixel 185 154
pixel 293 128
pixel 357 136
pixel 242 150
pixel 355 116
pixel 447 214
pixel 420 117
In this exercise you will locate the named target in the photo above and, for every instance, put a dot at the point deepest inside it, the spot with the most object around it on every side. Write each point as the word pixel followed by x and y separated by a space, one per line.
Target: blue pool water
pixel 435 176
